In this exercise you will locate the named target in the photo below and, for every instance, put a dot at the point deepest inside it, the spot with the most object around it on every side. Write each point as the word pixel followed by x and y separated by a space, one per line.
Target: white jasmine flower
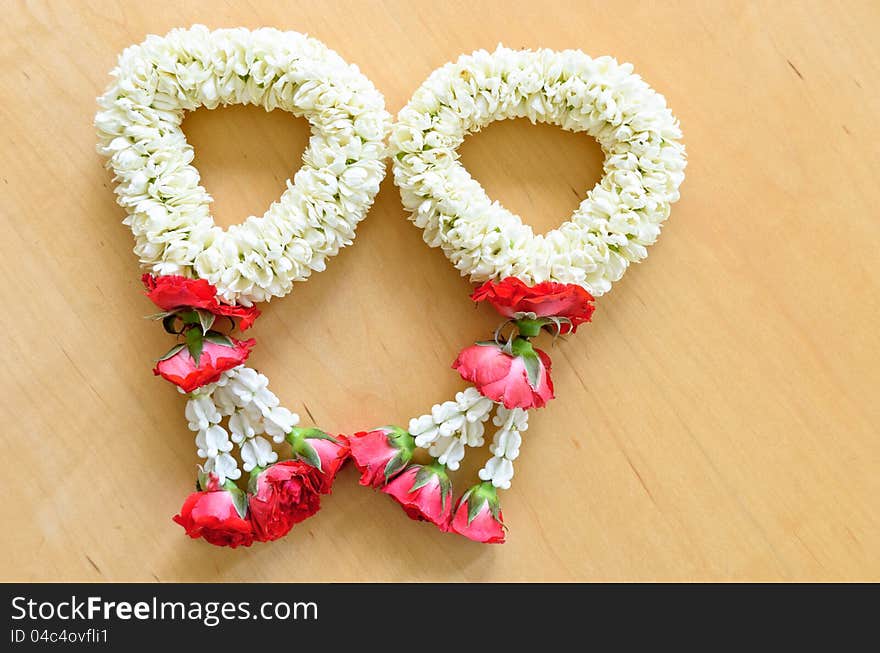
pixel 213 441
pixel 448 451
pixel 505 446
pixel 424 430
pixel 257 452
pixel 244 424
pixel 463 418
pixel 201 412
pixel 499 471
pixel 278 422
pixel 472 433
pixel 223 466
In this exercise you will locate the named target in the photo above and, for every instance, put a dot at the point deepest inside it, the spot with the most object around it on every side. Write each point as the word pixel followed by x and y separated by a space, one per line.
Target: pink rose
pixel 215 516
pixel 183 370
pixel 282 495
pixel 325 454
pixel 380 454
pixel 425 492
pixel 478 516
pixel 518 379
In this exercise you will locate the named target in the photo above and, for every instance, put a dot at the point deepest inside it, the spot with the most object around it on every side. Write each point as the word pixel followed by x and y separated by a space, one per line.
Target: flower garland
pixel 168 211
pixel 205 280
pixel 509 376
pixel 538 282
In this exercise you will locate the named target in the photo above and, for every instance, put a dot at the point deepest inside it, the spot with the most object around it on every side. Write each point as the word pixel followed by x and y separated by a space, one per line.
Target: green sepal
pixel 168 324
pixel 206 319
pixel 533 370
pixel 194 343
pixel 218 338
pixel 252 480
pixel 557 322
pixel 523 349
pixel 478 496
pixel 306 452
pixel 311 433
pixel 298 439
pixel 445 492
pixel 189 316
pixel 445 483
pixel 475 504
pixel 239 498
pixel 159 316
pixel 397 464
pixel 171 352
pixel 405 445
pixel 529 328
pixel 400 439
pixel 202 482
pixel 423 477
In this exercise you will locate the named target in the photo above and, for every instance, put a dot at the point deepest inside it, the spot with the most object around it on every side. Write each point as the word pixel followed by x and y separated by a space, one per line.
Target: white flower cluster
pixel 452 425
pixel 505 446
pixel 611 228
pixel 168 211
pixel 242 394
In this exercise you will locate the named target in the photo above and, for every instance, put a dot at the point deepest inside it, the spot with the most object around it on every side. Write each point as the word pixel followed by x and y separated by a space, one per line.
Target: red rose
pixel 425 492
pixel 478 516
pixel 182 369
pixel 173 292
pixel 246 315
pixel 213 516
pixel 514 299
pixel 282 495
pixel 381 453
pixel 326 455
pixel 520 379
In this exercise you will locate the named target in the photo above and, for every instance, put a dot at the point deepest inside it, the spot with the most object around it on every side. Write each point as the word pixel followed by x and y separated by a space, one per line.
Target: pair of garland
pixel 206 280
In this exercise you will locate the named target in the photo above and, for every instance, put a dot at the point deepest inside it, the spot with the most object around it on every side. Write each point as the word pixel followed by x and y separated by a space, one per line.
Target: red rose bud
pixel 325 454
pixel 569 303
pixel 202 360
pixel 173 292
pixel 516 374
pixel 281 495
pixel 380 454
pixel 425 492
pixel 217 515
pixel 478 516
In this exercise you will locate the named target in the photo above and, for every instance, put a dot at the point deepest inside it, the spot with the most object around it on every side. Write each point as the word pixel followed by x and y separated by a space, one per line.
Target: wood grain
pixel 718 421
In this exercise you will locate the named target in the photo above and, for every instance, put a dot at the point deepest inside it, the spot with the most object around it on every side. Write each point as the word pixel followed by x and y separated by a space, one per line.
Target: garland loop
pixel 611 228
pixel 168 211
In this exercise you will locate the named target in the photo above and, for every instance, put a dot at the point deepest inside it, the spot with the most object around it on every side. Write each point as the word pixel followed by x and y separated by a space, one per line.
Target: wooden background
pixel 718 421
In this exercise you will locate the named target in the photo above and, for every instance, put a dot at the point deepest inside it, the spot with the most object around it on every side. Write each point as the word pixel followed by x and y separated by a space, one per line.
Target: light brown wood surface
pixel 717 421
